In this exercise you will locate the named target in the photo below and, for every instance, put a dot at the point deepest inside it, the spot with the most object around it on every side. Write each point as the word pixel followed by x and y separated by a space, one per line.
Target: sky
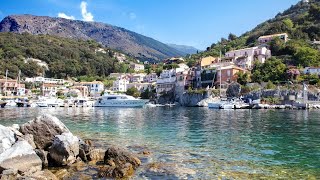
pixel 197 23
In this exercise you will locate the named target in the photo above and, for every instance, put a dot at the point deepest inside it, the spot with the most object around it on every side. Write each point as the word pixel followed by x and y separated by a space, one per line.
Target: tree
pixel 276 46
pixel 306 56
pixel 232 37
pixel 314 12
pixel 288 22
pixel 243 78
pixel 147 94
pixel 133 92
pixel 272 70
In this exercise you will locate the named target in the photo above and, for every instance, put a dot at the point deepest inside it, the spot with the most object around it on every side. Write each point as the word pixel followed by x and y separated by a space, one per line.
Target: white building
pixel 166 81
pixel 137 67
pixel 268 38
pixel 135 78
pixel 245 58
pixel 312 70
pixel 121 84
pixel 150 78
pixel 141 86
pixel 45 80
pixel 95 88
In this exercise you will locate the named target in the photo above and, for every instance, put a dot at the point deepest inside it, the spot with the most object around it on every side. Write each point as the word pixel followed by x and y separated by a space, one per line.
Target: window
pixel 229 73
pixel 110 98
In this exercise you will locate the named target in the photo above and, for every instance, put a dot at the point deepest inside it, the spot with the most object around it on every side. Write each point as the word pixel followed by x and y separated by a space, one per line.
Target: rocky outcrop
pixel 43 129
pixel 47 142
pixel 22 157
pixel 7 138
pixel 192 99
pixel 65 149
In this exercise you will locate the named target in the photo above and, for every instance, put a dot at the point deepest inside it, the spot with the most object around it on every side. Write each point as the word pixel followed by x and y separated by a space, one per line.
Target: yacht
pixel 119 100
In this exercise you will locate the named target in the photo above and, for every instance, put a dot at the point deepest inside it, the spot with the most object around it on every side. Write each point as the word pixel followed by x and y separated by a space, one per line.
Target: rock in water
pixel 7 138
pixel 65 149
pixel 22 157
pixel 119 163
pixel 44 128
pixel 120 157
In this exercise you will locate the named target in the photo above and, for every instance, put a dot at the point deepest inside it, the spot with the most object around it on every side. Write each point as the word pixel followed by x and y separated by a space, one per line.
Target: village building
pixel 141 86
pixel 166 81
pixel 137 78
pixel 95 88
pixel 207 61
pixel 121 84
pixel 137 67
pixel 245 58
pixel 312 70
pixel 45 80
pixel 228 74
pixel 49 90
pixel 12 87
pixel 269 38
pixel 150 78
pixel 82 91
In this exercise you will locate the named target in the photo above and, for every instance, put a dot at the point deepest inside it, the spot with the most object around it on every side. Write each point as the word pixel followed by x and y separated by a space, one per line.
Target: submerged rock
pixel 97 155
pixel 7 138
pixel 168 170
pixel 121 157
pixel 44 128
pixel 65 149
pixel 21 157
pixel 84 150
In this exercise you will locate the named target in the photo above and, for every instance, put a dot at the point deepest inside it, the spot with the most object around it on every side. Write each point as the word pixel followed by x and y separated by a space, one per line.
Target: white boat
pixel 119 100
pixel 150 105
pixel 49 102
pixel 170 105
pixel 83 102
pixel 215 105
pixel 11 103
pixel 228 105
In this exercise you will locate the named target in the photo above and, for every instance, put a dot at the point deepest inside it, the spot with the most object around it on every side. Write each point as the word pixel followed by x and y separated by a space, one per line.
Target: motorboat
pixel 228 105
pixel 49 102
pixel 83 102
pixel 169 105
pixel 119 100
pixel 150 105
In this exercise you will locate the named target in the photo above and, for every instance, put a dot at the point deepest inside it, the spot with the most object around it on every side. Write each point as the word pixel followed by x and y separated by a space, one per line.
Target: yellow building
pixel 207 61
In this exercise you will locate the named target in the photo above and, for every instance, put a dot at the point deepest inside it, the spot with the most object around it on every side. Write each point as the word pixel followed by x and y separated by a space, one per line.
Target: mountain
pixel 134 44
pixel 184 49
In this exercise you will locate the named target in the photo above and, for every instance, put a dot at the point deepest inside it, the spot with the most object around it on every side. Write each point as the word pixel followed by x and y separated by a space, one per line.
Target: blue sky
pixel 198 23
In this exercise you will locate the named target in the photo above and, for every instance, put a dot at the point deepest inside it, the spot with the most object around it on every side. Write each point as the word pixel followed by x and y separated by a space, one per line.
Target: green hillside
pixel 301 22
pixel 65 57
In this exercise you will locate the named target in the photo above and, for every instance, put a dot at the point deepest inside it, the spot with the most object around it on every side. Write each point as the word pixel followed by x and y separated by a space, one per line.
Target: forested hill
pixel 301 22
pixel 65 57
pixel 134 44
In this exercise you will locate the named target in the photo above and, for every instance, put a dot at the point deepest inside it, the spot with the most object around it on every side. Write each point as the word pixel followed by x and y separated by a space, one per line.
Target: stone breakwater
pixel 44 148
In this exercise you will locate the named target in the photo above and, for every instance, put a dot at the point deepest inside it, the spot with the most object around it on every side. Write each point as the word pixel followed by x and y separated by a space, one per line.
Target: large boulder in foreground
pixel 44 128
pixel 65 149
pixel 21 157
pixel 7 138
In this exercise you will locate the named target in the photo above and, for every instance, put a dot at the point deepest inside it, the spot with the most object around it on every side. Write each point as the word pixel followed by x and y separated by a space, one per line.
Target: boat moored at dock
pixel 119 100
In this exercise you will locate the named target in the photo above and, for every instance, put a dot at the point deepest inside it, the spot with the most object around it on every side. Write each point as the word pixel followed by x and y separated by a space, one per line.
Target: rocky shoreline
pixel 44 148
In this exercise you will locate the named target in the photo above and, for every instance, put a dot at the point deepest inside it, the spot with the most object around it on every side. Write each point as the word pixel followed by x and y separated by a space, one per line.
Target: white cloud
pixel 63 15
pixel 132 16
pixel 86 16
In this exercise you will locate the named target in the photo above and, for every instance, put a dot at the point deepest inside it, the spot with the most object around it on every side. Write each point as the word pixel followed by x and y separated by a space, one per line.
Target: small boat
pixel 22 102
pixel 169 105
pixel 49 102
pixel 83 102
pixel 150 105
pixel 119 100
pixel 228 105
pixel 2 104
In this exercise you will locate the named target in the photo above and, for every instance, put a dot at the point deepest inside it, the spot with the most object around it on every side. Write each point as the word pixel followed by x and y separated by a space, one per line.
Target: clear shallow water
pixel 216 144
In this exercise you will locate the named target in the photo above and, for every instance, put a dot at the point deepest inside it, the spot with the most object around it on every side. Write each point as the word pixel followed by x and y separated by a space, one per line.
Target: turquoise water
pixel 214 143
